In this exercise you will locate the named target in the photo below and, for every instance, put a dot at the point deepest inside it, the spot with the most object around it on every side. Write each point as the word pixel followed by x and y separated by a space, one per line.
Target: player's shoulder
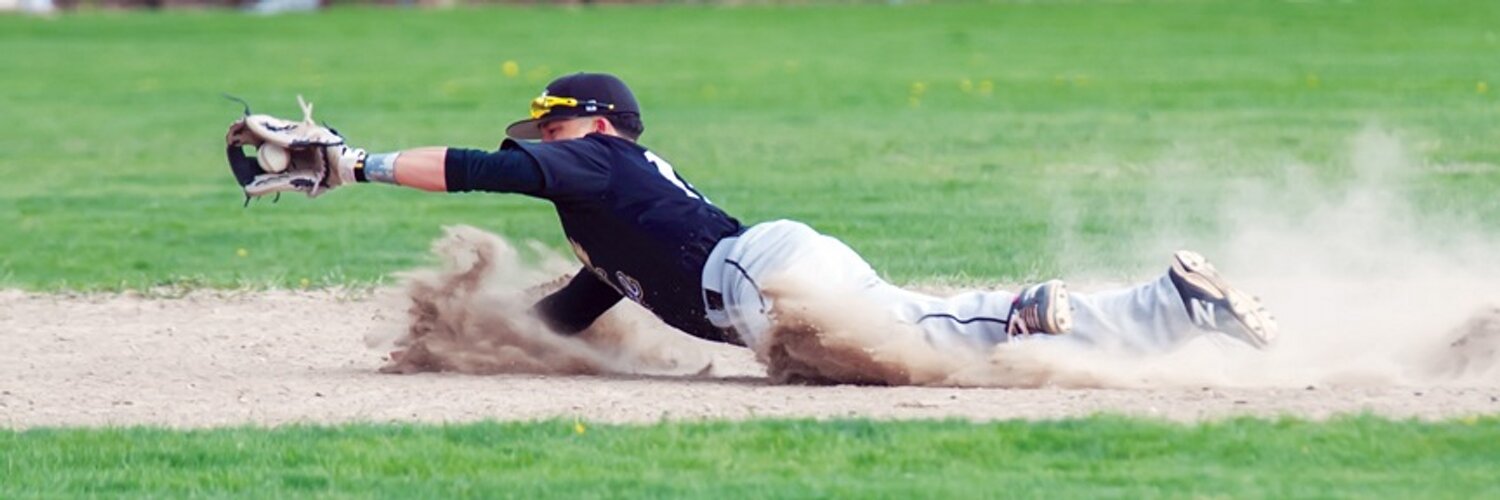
pixel 594 143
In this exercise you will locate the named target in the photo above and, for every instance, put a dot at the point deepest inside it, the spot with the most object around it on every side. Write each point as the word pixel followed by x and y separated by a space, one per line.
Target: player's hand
pixel 290 156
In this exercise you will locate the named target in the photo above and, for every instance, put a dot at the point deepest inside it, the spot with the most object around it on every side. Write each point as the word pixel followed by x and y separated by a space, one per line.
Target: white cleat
pixel 1214 305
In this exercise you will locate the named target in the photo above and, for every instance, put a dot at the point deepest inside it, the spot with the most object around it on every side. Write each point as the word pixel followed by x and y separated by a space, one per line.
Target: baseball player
pixel 645 234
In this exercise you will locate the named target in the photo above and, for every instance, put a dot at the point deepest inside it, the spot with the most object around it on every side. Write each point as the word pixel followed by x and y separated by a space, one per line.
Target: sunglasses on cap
pixel 543 105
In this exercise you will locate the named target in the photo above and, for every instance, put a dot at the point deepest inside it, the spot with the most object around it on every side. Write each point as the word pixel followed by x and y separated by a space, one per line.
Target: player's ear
pixel 602 126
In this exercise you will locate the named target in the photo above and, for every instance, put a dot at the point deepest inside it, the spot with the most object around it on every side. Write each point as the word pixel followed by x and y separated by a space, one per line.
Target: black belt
pixel 713 300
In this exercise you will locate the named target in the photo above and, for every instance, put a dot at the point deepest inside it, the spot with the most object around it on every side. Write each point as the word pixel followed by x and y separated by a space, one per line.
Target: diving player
pixel 644 233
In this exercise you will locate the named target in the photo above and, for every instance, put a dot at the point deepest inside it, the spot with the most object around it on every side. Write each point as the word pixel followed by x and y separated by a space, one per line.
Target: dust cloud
pixel 1367 290
pixel 472 314
pixel 824 337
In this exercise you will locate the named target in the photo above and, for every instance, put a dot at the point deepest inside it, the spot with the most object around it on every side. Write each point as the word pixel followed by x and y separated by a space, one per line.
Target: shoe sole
pixel 1060 321
pixel 1246 309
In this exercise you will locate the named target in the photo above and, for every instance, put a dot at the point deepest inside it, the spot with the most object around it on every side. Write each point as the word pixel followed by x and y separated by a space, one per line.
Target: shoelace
pixel 1026 320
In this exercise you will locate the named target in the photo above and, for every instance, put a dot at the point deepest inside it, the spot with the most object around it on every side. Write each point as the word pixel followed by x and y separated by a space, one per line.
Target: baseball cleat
pixel 1042 308
pixel 1214 305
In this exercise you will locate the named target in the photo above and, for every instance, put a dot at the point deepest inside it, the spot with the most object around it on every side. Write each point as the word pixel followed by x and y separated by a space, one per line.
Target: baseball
pixel 272 158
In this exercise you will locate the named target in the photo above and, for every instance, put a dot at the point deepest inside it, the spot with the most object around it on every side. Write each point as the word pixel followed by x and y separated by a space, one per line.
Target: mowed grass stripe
pixel 1102 455
pixel 942 141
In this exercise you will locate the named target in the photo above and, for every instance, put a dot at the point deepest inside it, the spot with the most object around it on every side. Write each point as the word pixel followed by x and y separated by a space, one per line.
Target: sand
pixel 280 357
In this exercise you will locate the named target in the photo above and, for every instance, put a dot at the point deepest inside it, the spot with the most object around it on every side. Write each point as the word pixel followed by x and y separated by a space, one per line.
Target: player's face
pixel 572 128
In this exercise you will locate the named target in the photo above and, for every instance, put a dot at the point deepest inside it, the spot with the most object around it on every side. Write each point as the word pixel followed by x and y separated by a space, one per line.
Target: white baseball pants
pixel 1146 317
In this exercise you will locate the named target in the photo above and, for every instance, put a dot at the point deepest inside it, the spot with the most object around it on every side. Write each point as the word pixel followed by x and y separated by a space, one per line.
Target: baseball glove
pixel 290 156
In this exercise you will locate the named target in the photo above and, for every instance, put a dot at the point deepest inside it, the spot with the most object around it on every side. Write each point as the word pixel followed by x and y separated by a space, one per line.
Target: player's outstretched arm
pixel 444 169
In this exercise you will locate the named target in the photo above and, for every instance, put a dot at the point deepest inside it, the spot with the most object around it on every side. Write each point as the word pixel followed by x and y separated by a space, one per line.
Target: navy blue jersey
pixel 635 224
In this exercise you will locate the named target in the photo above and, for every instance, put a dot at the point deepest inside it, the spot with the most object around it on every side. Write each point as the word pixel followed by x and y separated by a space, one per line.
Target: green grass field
pixel 1094 457
pixel 939 140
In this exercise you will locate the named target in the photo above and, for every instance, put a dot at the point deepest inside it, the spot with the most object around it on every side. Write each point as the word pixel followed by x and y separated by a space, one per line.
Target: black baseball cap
pixel 575 95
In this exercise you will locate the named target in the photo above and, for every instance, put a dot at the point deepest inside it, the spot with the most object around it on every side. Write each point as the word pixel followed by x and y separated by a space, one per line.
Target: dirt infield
pixel 230 358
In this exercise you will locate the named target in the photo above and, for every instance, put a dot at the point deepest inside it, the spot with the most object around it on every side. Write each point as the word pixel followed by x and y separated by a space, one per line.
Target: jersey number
pixel 665 169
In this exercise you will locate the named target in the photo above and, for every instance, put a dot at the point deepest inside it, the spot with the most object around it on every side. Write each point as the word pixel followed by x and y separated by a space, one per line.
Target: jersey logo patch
pixel 630 286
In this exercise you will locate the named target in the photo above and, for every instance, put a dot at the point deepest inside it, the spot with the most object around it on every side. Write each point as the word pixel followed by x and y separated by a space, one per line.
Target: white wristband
pixel 381 168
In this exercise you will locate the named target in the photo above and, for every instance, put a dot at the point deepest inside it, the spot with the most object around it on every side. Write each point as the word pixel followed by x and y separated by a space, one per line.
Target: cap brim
pixel 530 130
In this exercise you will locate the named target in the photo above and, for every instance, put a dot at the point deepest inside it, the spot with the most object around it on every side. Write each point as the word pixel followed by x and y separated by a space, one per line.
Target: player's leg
pixel 1145 317
pixel 986 318
pixel 1190 300
pixel 791 248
